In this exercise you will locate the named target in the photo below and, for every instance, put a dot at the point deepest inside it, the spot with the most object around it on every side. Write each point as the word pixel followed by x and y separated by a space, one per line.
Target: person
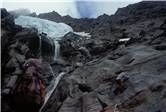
pixel 30 90
pixel 120 82
pixel 25 87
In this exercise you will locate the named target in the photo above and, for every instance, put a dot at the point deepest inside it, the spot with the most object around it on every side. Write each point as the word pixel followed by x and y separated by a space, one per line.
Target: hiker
pixel 25 87
pixel 120 82
pixel 30 90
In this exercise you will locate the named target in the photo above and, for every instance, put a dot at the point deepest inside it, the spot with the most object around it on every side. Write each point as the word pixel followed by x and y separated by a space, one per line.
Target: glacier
pixel 52 29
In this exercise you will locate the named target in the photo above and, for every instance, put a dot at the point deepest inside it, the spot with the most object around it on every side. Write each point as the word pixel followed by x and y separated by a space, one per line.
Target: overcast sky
pixel 74 8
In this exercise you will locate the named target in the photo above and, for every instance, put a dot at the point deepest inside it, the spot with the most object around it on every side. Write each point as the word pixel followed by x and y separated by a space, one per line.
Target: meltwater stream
pixel 53 83
pixel 57 50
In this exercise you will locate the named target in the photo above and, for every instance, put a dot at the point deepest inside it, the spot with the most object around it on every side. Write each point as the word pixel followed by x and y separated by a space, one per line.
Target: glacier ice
pixel 52 29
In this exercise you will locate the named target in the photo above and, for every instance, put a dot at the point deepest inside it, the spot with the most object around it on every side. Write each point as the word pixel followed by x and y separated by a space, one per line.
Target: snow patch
pixel 83 34
pixel 124 40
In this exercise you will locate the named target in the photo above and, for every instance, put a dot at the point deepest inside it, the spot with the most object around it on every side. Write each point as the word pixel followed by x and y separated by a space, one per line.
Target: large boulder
pixel 41 45
pixel 70 45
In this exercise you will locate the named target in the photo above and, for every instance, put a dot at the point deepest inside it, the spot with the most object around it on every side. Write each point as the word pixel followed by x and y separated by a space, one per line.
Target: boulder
pixel 38 45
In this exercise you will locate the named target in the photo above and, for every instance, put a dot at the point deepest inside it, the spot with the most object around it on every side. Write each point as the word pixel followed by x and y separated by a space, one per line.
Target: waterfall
pixel 53 83
pixel 53 41
pixel 57 50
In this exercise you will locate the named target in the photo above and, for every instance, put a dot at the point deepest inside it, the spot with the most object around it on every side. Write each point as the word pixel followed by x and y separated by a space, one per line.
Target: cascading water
pixel 54 83
pixel 57 50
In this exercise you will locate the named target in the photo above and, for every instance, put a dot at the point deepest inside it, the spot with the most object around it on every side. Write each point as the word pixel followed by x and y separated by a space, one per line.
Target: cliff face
pixel 92 86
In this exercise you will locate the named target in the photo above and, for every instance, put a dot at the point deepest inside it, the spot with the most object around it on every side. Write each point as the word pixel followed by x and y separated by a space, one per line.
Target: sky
pixel 74 8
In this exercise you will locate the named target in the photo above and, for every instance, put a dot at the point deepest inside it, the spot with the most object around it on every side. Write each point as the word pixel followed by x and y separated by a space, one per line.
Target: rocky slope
pixel 92 86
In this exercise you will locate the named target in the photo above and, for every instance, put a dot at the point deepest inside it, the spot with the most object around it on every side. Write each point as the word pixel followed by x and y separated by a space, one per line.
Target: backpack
pixel 29 92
